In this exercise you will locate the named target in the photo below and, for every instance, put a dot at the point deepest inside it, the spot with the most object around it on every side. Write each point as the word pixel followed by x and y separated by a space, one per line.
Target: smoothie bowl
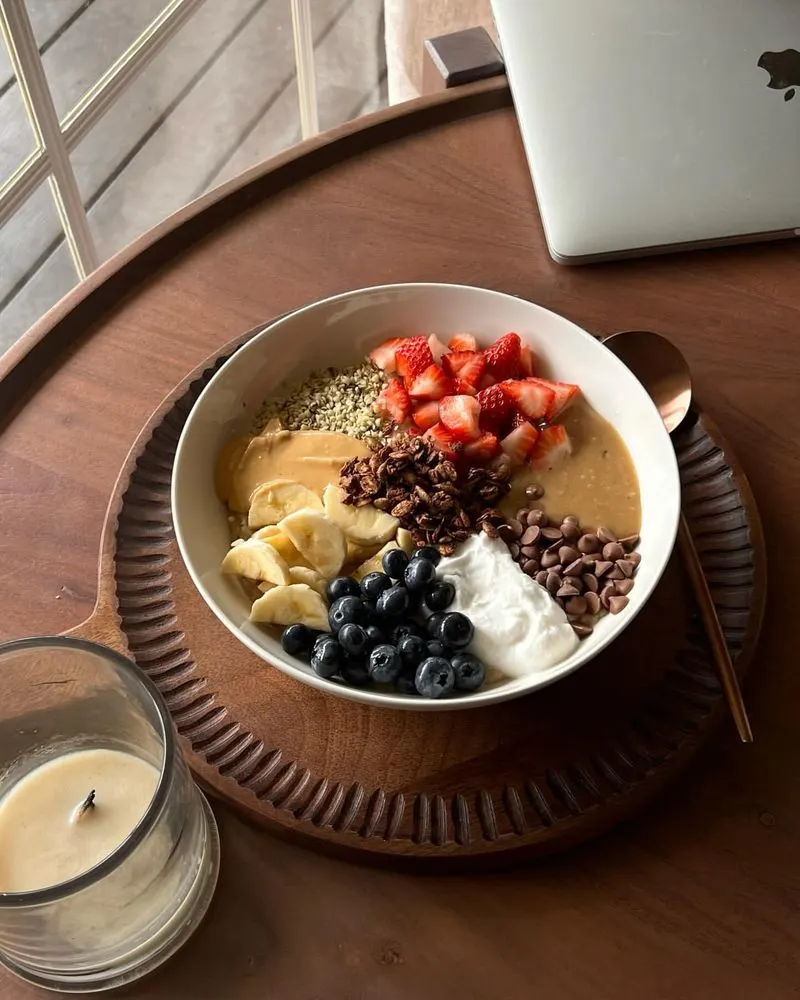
pixel 425 496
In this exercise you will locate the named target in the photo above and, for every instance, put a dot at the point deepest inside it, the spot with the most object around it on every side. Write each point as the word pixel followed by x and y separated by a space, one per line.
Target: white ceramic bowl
pixel 340 331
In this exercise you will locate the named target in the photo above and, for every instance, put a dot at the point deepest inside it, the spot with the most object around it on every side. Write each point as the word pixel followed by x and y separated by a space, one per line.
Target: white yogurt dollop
pixel 519 628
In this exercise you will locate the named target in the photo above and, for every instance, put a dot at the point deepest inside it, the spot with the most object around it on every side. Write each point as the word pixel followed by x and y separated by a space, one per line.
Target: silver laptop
pixel 655 125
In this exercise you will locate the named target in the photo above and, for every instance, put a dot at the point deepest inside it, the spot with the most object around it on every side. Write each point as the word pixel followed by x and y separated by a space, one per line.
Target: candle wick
pixel 84 807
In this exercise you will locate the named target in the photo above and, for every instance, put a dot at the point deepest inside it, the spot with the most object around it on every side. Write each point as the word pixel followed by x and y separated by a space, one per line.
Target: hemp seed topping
pixel 331 399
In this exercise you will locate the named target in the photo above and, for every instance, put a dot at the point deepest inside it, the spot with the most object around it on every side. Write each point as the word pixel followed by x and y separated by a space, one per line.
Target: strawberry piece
pixel 496 409
pixel 394 403
pixel 462 388
pixel 425 415
pixel 459 414
pixel 467 365
pixel 520 443
pixel 530 396
pixel 527 360
pixel 384 355
pixel 432 383
pixel 563 394
pixel 517 421
pixel 486 381
pixel 438 349
pixel 503 357
pixel 553 445
pixel 440 437
pixel 482 450
pixel 413 356
pixel 463 342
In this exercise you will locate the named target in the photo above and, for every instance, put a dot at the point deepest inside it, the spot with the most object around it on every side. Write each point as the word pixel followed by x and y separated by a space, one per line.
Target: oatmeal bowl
pixel 425 496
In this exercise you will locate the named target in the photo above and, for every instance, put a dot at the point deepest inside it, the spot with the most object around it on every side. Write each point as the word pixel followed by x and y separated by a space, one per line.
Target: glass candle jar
pixel 109 853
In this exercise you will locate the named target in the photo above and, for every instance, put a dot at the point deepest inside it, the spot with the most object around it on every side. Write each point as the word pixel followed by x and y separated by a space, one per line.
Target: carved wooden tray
pixel 449 789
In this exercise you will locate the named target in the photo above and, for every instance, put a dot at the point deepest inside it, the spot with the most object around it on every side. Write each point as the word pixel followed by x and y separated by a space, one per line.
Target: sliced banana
pixel 317 539
pixel 315 580
pixel 256 560
pixel 288 605
pixel 375 564
pixel 264 587
pixel 273 536
pixel 405 541
pixel 356 554
pixel 364 525
pixel 272 501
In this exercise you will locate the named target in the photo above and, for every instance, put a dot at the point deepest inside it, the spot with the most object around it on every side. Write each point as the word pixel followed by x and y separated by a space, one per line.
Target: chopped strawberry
pixel 413 356
pixel 425 415
pixel 527 360
pixel 463 342
pixel 393 403
pixel 432 383
pixel 384 355
pixel 468 365
pixel 552 446
pixel 462 388
pixel 563 394
pixel 519 444
pixel 437 348
pixel 495 407
pixel 459 414
pixel 530 396
pixel 480 451
pixel 441 438
pixel 502 358
pixel 486 381
pixel 517 421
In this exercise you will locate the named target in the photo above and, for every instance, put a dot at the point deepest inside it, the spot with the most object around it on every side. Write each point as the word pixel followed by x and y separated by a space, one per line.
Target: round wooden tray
pixel 451 789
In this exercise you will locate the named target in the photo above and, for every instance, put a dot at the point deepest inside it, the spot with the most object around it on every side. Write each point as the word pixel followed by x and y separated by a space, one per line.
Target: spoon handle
pixel 727 674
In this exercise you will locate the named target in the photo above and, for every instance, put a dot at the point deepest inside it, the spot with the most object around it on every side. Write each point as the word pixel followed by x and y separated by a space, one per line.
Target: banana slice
pixel 273 536
pixel 256 560
pixel 288 605
pixel 272 501
pixel 317 539
pixel 356 554
pixel 405 541
pixel 364 525
pixel 373 565
pixel 300 574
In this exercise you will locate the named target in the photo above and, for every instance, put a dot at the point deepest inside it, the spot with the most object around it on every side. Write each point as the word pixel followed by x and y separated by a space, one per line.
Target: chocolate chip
pixel 635 558
pixel 629 542
pixel 574 568
pixel 506 532
pixel 570 531
pixel 567 590
pixel 590 582
pixel 601 568
pixel 533 491
pixel 613 551
pixel 588 543
pixel 574 581
pixel 513 548
pixel 626 566
pixel 606 594
pixel 515 526
pixel 537 516
pixel 581 630
pixel 606 535
pixel 530 566
pixel 623 587
pixel 541 577
pixel 576 606
pixel 617 604
pixel 567 555
pixel 570 519
pixel 549 559
pixel 522 514
pixel 530 551
pixel 530 535
pixel 553 582
pixel 552 534
pixel 593 604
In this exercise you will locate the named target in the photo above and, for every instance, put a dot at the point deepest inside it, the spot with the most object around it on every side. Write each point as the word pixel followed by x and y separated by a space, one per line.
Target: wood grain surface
pixel 699 897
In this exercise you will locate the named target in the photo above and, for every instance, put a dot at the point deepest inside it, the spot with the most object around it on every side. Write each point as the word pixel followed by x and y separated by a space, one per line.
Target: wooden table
pixel 697 899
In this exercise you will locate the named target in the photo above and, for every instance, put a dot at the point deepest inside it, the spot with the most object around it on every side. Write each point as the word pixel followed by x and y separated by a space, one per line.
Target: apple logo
pixel 784 70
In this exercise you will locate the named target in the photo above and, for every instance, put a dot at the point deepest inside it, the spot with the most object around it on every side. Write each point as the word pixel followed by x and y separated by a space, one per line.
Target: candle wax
pixel 41 841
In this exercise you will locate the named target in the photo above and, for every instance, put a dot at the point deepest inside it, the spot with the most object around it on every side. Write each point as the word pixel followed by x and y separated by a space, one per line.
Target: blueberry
pixel 439 595
pixel 432 624
pixel 384 663
pixel 354 640
pixel 393 603
pixel 404 682
pixel 342 586
pixel 354 672
pixel 470 672
pixel 456 630
pixel 427 552
pixel 419 573
pixel 375 635
pixel 412 650
pixel 297 639
pixel 434 677
pixel 394 563
pixel 345 611
pixel 403 629
pixel 436 648
pixel 374 584
pixel 326 657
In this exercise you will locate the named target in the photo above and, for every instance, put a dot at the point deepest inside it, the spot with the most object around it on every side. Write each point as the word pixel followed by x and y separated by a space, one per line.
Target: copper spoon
pixel 663 371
